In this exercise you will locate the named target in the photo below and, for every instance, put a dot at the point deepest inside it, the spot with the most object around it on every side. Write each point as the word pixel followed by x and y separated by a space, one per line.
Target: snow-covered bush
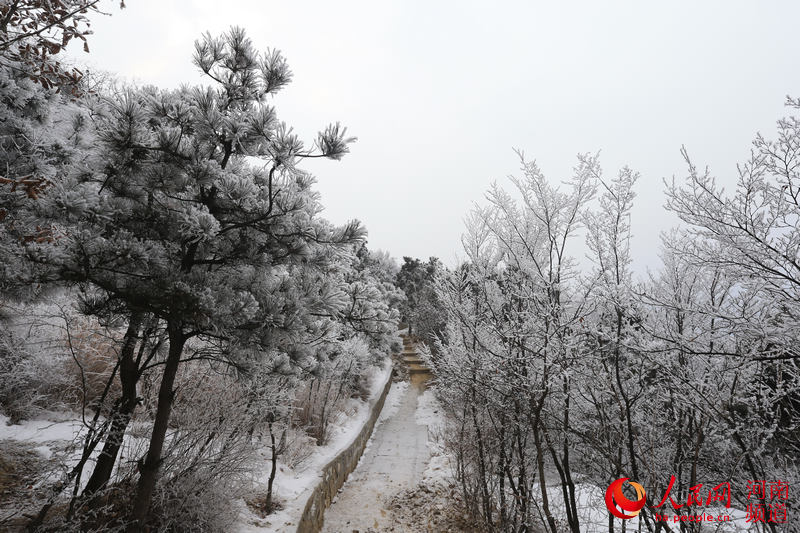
pixel 30 382
pixel 321 399
pixel 52 359
pixel 91 365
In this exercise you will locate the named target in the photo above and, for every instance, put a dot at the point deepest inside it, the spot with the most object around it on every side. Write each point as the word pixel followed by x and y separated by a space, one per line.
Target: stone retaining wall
pixel 335 473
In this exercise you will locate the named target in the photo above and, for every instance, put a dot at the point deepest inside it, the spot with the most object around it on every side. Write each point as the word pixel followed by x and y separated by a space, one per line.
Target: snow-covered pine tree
pixel 373 300
pixel 192 211
pixel 41 133
pixel 421 310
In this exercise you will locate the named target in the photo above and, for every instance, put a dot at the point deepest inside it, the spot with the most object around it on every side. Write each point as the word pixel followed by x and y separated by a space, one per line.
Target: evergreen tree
pixel 422 312
pixel 192 211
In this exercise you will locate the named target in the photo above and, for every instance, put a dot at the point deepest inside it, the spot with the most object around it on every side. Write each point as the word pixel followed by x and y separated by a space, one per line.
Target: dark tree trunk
pixel 93 439
pixel 128 375
pixel 149 467
pixel 273 469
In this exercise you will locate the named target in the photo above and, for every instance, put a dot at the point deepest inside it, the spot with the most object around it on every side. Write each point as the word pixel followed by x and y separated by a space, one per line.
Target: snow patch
pixel 44 451
pixel 393 400
pixel 40 430
pixel 430 413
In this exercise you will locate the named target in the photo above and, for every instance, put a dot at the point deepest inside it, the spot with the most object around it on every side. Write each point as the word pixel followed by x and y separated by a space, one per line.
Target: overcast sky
pixel 439 93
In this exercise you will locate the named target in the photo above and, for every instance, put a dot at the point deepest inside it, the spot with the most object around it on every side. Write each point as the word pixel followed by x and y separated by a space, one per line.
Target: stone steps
pixel 417 369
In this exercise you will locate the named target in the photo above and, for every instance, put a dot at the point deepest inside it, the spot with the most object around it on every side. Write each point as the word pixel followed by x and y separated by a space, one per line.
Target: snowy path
pixel 394 460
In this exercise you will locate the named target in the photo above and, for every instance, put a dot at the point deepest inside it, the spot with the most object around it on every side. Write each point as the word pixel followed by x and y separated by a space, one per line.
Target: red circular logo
pixel 619 505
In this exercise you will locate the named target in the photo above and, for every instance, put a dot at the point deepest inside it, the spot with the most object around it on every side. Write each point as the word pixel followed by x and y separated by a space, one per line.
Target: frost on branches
pixel 189 227
pixel 558 381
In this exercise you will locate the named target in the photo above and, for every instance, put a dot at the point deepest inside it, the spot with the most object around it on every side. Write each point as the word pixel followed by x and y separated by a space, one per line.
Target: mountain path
pixel 394 460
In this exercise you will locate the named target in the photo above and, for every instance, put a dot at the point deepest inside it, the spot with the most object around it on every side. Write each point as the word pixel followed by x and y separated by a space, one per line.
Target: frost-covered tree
pixel 373 300
pixel 748 242
pixel 421 310
pixel 605 413
pixel 505 364
pixel 754 232
pixel 41 129
pixel 688 377
pixel 681 423
pixel 31 157
pixel 34 32
pixel 366 331
pixel 192 213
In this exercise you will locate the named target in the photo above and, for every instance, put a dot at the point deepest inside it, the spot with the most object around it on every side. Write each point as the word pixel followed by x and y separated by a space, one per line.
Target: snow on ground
pixel 41 431
pixel 44 451
pixel 54 433
pixel 403 481
pixel 60 435
pixel 428 410
pixel 57 436
pixel 393 399
pixel 394 460
pixel 430 413
pixel 55 439
pixel 293 486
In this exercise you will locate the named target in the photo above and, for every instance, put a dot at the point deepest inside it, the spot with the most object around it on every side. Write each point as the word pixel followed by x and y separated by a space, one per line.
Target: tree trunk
pixel 273 468
pixel 536 420
pixel 551 521
pixel 36 522
pixel 150 466
pixel 128 375
pixel 485 496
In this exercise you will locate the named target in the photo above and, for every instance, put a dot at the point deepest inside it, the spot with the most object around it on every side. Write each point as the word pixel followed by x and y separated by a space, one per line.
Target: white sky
pixel 440 92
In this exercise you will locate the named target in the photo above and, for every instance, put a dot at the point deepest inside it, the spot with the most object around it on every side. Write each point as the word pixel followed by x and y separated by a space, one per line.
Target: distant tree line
pixel 421 311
